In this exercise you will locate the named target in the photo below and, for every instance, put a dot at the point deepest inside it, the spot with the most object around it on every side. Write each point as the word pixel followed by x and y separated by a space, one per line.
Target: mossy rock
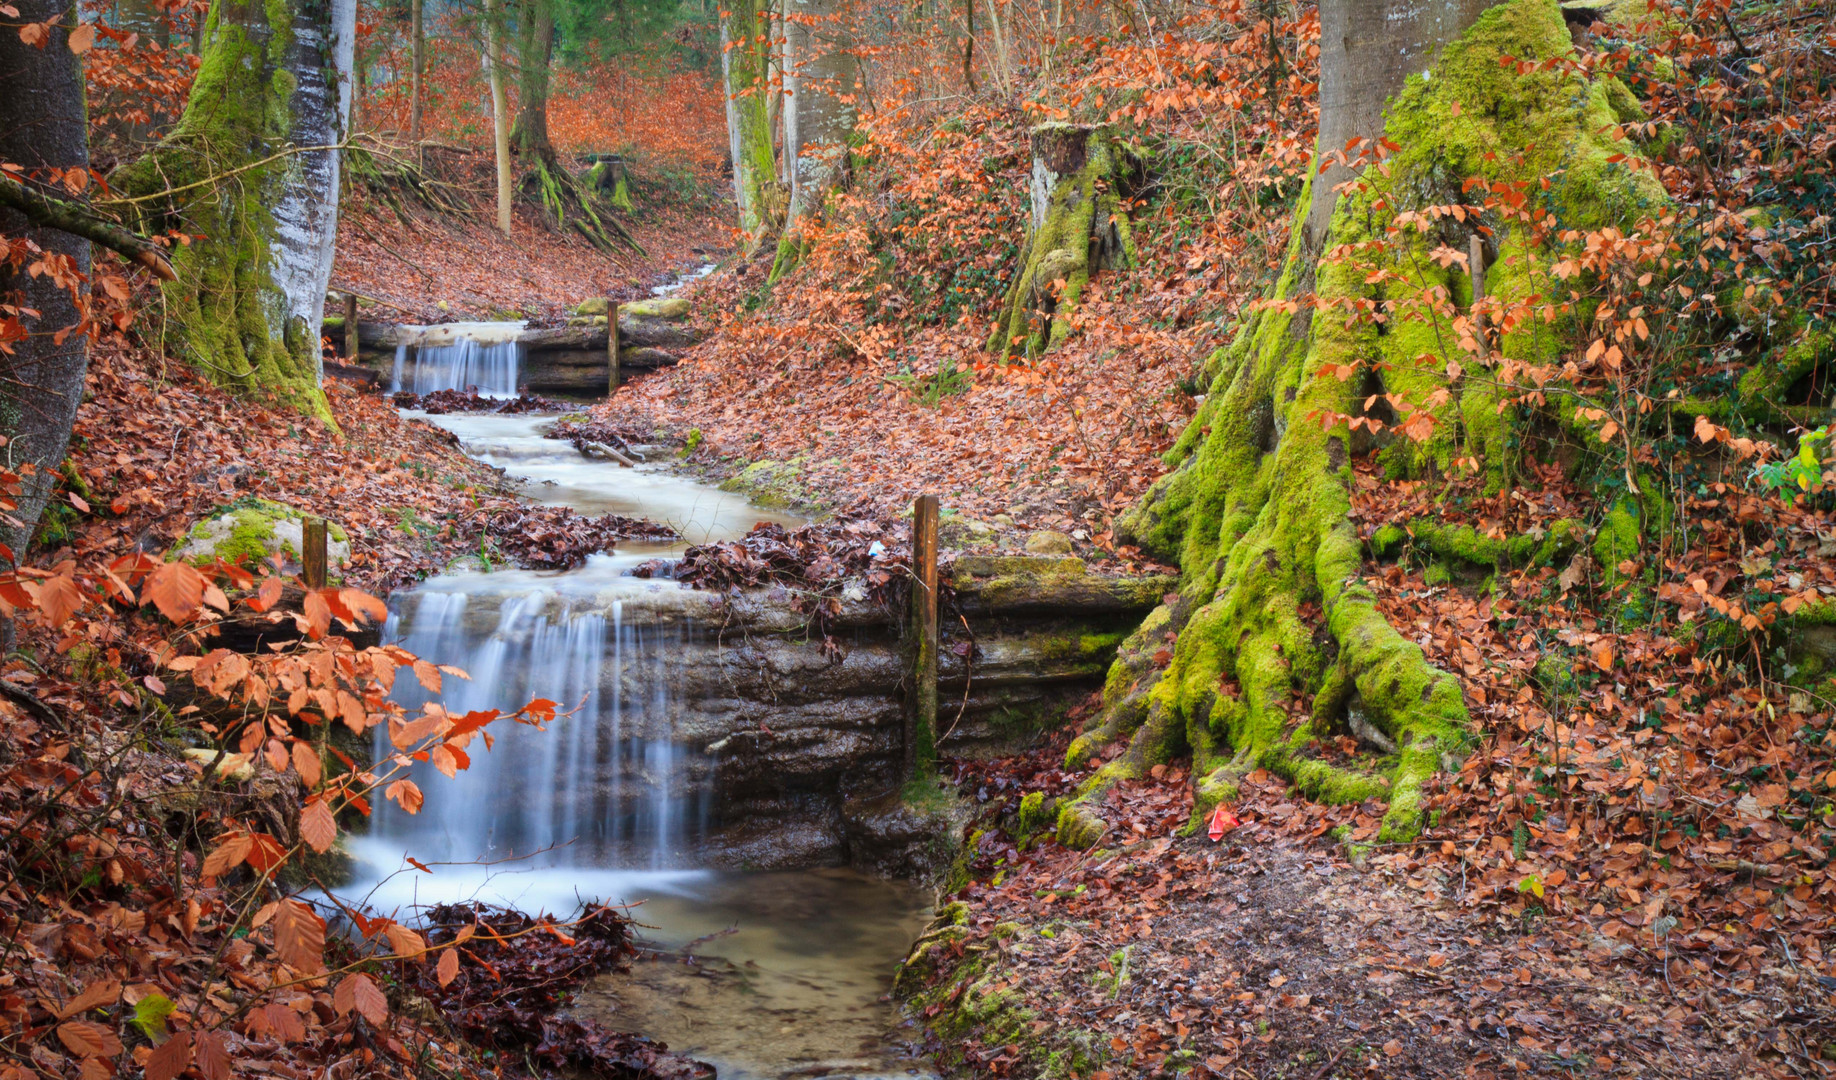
pixel 775 485
pixel 593 305
pixel 249 530
pixel 1047 542
pixel 661 307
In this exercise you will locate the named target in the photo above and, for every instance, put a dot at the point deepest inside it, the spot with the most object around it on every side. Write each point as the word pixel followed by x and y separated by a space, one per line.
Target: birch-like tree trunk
pixel 820 109
pixel 500 109
pixel 253 167
pixel 746 63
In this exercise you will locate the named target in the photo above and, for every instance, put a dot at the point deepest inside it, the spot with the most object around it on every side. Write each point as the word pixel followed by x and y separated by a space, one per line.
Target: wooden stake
pixel 611 346
pixel 312 558
pixel 1475 265
pixel 350 327
pixel 920 741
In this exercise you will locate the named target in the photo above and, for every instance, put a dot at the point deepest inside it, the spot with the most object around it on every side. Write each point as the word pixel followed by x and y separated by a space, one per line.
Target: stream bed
pixel 765 975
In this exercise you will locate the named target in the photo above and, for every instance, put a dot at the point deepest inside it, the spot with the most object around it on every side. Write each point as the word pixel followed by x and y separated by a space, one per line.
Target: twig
pixel 79 220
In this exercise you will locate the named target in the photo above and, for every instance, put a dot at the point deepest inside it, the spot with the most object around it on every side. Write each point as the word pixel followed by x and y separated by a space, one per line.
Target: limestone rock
pixel 1047 542
pixel 251 529
pixel 661 307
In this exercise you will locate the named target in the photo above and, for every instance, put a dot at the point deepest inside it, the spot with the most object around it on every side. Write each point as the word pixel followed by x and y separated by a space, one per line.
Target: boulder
pixel 592 305
pixel 660 307
pixel 1047 542
pixel 251 529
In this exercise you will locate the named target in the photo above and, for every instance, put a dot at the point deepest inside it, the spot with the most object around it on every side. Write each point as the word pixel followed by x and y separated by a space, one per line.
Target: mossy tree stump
pixel 1079 225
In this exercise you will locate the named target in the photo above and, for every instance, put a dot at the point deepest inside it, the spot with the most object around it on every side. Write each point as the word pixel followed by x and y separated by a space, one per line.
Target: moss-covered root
pixel 1078 227
pixel 577 206
pixel 1284 641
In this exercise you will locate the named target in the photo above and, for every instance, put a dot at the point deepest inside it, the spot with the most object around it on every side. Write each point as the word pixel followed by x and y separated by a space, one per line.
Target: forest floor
pixel 415 265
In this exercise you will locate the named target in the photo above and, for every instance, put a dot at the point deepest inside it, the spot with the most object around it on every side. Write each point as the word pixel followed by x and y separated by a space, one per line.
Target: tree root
pixel 574 205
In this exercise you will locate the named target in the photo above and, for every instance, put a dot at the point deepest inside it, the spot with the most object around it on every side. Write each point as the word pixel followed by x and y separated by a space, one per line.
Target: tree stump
pixel 1081 175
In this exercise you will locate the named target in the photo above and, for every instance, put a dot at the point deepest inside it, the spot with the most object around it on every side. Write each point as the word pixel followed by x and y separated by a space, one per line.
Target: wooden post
pixel 350 327
pixel 920 742
pixel 312 557
pixel 1475 265
pixel 611 346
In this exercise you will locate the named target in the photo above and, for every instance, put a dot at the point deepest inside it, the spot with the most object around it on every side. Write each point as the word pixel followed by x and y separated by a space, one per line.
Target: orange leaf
pixel 170 1058
pixel 317 826
pixel 448 968
pixel 299 937
pixel 175 588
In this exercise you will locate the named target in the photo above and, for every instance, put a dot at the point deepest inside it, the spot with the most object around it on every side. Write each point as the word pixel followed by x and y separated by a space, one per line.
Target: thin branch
pixel 79 220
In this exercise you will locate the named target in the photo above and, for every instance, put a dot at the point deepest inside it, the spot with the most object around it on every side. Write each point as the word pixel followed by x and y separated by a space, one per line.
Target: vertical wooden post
pixel 921 736
pixel 350 327
pixel 312 555
pixel 1475 265
pixel 611 346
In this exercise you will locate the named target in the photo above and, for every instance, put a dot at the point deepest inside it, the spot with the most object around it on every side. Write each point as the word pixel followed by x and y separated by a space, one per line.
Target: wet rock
pixel 910 834
pixel 662 307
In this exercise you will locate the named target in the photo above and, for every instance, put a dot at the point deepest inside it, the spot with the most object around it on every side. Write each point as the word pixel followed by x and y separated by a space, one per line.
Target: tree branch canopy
pixel 78 220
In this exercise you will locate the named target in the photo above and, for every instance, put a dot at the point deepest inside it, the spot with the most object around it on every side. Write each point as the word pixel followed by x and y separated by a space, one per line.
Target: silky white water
pixel 458 356
pixel 765 975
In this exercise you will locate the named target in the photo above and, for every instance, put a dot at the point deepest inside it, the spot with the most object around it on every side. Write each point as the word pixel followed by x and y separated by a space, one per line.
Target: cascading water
pixel 457 356
pixel 608 784
pixel 608 802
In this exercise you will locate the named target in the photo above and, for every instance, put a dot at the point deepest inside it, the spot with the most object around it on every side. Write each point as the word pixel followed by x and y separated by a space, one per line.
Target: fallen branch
pixel 79 220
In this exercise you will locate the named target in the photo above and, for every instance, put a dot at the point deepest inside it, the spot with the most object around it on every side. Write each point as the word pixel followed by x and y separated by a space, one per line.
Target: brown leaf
pixel 317 826
pixel 96 995
pixel 175 588
pixel 228 855
pixel 299 937
pixel 404 942
pixel 87 1039
pixel 213 1060
pixel 358 992
pixel 306 763
pixel 448 968
pixel 170 1058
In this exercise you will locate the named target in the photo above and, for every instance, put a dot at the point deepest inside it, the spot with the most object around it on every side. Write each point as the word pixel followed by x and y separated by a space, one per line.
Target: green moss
pixel 245 532
pixel 1256 506
pixel 226 312
pixel 1056 259
pixel 775 485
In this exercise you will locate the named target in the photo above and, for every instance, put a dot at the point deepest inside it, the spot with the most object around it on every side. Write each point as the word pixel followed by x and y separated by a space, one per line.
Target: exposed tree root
pixel 575 205
pixel 1273 639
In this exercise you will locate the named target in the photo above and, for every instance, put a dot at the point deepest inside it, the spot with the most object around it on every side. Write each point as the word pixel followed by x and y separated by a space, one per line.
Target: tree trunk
pixel 820 109
pixel 1078 226
pixel 500 120
pixel 42 126
pixel 746 64
pixel 417 50
pixel 253 166
pixel 536 47
pixel 1279 642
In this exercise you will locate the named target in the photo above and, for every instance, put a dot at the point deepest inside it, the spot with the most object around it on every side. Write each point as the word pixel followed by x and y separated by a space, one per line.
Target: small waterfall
pixel 491 366
pixel 609 785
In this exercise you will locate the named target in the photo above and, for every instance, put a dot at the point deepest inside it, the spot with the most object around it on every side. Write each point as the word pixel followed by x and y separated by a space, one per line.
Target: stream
pixel 764 974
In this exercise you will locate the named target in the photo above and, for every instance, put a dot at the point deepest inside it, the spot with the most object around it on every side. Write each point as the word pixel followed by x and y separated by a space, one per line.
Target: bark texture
pixel 42 126
pixel 251 168
pixel 1078 226
pixel 1276 640
pixel 746 64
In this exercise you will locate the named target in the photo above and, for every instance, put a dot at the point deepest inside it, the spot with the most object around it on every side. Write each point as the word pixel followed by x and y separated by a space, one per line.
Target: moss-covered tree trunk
pixel 535 50
pixel 820 77
pixel 1078 226
pixel 252 170
pixel 1275 639
pixel 42 127
pixel 746 65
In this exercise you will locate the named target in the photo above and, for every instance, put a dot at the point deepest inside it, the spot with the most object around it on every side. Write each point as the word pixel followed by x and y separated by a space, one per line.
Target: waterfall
pixel 609 785
pixel 491 366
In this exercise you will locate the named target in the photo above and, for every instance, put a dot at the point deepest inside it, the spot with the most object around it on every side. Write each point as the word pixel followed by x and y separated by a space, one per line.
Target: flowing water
pixel 454 356
pixel 771 975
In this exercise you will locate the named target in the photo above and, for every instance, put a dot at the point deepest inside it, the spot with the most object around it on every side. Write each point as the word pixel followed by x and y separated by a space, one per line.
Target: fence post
pixel 350 327
pixel 312 555
pixel 611 346
pixel 921 735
